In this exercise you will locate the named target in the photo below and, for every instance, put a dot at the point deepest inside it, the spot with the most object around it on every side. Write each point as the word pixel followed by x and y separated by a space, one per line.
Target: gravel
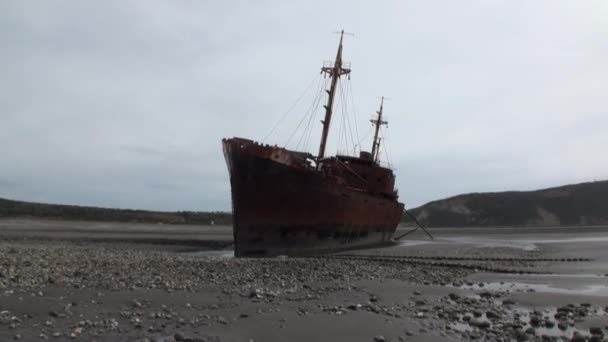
pixel 27 267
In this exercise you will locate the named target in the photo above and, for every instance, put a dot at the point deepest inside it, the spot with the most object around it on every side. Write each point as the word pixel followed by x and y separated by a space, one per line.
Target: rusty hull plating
pixel 284 204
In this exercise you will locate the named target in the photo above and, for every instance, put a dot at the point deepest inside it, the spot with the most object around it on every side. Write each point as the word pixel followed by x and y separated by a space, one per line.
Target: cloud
pixel 124 104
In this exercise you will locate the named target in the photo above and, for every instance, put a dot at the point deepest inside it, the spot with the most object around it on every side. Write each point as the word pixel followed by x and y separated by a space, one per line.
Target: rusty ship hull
pixel 282 205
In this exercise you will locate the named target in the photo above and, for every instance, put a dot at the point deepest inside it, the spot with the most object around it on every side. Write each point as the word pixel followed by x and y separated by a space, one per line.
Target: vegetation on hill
pixel 9 208
pixel 578 204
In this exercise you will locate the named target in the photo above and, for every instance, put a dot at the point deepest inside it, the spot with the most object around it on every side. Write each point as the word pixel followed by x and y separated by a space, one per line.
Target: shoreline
pixel 61 289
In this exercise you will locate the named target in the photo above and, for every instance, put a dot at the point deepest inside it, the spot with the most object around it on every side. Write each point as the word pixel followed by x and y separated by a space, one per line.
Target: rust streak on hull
pixel 284 205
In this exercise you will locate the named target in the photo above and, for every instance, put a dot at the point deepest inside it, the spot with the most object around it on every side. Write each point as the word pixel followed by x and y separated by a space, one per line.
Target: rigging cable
pixel 350 130
pixel 388 147
pixel 312 113
pixel 352 101
pixel 293 106
pixel 304 117
pixel 345 119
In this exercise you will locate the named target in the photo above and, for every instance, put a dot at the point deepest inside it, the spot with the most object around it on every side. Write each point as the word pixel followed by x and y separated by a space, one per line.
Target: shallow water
pixel 510 287
pixel 213 253
pixel 518 241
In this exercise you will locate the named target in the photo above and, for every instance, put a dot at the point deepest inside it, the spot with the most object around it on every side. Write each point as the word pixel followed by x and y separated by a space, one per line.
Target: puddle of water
pixel 525 245
pixel 408 243
pixel 213 253
pixel 589 290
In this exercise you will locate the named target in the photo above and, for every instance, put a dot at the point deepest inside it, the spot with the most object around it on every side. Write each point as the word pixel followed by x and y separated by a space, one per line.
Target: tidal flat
pixel 144 282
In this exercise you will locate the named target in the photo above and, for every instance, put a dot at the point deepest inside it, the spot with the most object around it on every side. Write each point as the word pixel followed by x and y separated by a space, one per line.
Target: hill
pixel 10 208
pixel 578 204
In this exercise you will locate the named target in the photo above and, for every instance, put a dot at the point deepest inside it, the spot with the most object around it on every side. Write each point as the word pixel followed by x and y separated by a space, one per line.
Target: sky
pixel 124 103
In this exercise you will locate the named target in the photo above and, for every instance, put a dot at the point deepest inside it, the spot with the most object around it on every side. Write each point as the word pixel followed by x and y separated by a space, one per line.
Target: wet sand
pixel 125 282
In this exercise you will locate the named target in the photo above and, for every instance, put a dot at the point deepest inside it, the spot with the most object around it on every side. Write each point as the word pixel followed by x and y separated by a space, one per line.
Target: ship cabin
pixel 363 172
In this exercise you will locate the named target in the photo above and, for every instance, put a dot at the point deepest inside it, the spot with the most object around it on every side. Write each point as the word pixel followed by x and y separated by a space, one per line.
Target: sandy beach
pixel 145 282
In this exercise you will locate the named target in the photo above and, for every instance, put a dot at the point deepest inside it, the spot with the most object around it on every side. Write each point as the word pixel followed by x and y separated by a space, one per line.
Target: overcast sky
pixel 124 103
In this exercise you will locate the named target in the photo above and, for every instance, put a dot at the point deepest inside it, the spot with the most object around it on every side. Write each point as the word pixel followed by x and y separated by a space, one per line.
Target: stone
pixel 492 315
pixel 482 324
pixel 179 336
pixel 596 331
pixel 453 296
pixel 508 302
pixel 535 321
pixel 379 338
pixel 577 337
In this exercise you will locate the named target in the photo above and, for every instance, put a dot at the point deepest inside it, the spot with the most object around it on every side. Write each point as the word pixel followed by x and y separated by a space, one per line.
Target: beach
pixel 98 281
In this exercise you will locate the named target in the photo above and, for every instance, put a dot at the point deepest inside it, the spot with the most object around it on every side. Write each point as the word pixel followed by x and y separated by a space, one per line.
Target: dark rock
pixel 549 324
pixel 531 331
pixel 520 335
pixel 482 324
pixel 596 331
pixel 577 337
pixel 179 336
pixel 492 315
pixel 562 326
pixel 456 297
pixel 508 302
pixel 535 321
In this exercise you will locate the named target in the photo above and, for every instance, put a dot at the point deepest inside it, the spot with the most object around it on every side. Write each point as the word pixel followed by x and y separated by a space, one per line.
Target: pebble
pixel 492 315
pixel 379 338
pixel 596 331
pixel 577 337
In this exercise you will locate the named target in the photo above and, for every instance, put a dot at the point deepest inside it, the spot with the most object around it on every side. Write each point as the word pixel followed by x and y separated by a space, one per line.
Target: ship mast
pixel 377 123
pixel 334 72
